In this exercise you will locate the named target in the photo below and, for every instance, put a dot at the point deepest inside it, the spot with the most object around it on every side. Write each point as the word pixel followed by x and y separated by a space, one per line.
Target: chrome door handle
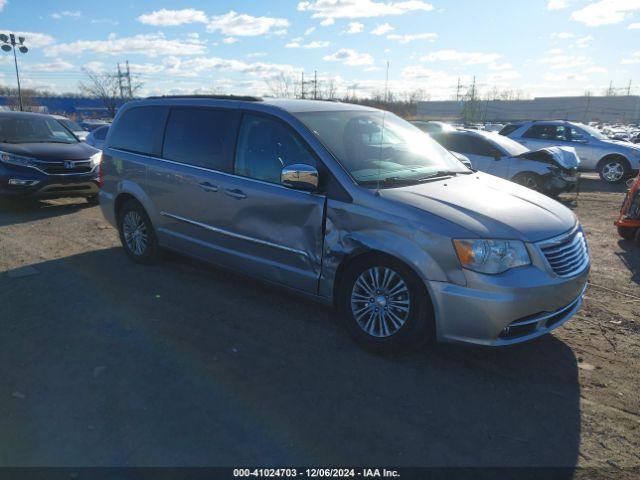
pixel 235 193
pixel 207 187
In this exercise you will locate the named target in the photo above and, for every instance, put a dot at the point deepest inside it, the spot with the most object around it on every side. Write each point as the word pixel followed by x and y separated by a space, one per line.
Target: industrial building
pixel 610 109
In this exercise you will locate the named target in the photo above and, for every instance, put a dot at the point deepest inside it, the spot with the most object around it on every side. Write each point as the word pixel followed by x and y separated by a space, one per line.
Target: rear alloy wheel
pixel 384 305
pixel 136 233
pixel 529 180
pixel 613 170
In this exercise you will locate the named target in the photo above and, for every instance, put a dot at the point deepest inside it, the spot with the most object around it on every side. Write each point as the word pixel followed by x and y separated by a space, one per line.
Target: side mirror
pixel 300 177
pixel 497 155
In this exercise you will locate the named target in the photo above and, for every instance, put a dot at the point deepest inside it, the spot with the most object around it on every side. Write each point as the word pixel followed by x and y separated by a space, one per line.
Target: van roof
pixel 287 104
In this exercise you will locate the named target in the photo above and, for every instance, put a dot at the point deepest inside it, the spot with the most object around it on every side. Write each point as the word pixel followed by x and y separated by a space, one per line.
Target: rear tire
pixel 384 305
pixel 614 169
pixel 628 233
pixel 529 180
pixel 137 234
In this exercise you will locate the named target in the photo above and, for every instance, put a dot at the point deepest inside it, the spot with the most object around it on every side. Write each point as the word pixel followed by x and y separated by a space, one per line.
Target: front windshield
pixel 594 132
pixel 34 129
pixel 511 147
pixel 71 125
pixel 378 148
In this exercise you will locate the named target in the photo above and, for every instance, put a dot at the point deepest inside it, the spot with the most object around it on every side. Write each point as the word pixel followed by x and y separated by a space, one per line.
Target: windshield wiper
pixel 389 181
pixel 446 173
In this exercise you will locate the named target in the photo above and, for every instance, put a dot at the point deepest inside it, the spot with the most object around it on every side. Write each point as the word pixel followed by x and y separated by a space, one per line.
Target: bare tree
pixel 328 89
pixel 109 88
pixel 282 86
pixel 29 100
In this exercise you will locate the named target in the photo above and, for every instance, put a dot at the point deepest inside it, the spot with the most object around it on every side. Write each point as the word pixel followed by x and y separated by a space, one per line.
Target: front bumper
pixel 519 305
pixel 28 182
pixel 556 184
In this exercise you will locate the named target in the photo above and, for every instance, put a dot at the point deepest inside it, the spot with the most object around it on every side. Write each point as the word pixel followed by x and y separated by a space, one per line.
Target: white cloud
pixel 354 27
pixel 634 26
pixel 195 66
pixel 332 9
pixel 605 12
pixel 32 39
pixel 503 77
pixel 229 40
pixel 327 21
pixel 150 45
pixel 350 57
pixel 584 42
pixel 557 59
pixel 94 66
pixel 309 30
pixel 2 4
pixel 242 25
pixel 382 29
pixel 66 13
pixel 56 65
pixel 171 18
pixel 635 58
pixel 410 38
pixel 146 68
pixel 564 77
pixel 465 58
pixel 295 43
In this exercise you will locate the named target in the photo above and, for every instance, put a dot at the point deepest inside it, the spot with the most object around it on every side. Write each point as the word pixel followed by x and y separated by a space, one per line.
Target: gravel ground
pixel 107 363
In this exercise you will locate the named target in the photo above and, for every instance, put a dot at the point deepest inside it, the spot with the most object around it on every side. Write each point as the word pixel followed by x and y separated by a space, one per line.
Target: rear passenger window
pixel 101 133
pixel 510 128
pixel 139 130
pixel 265 146
pixel 547 132
pixel 200 136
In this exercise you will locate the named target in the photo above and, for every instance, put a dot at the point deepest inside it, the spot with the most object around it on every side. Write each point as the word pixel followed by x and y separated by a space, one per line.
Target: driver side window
pixel 266 146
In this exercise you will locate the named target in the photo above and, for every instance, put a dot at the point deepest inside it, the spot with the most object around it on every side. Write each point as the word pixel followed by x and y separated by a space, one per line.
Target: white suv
pixel 614 160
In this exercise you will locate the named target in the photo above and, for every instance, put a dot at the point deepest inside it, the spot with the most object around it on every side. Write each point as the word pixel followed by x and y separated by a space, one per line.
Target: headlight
pixel 17 160
pixel 491 256
pixel 96 159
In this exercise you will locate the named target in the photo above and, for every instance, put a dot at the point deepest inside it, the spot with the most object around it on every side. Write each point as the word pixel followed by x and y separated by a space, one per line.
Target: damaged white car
pixel 551 170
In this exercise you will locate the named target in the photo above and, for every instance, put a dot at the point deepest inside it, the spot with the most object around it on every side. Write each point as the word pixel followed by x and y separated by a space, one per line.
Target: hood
pixel 488 206
pixel 50 151
pixel 565 157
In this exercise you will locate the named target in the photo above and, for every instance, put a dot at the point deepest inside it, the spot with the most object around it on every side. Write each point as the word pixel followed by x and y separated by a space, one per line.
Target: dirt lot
pixel 103 362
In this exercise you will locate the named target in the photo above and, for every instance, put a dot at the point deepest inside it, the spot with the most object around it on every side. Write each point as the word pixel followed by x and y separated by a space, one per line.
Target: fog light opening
pixel 23 183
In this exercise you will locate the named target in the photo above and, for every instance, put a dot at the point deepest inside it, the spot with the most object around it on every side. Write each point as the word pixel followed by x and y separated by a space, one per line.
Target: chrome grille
pixel 65 168
pixel 567 254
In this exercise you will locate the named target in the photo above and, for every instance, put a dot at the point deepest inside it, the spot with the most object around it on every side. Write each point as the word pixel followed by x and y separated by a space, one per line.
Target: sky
pixel 536 47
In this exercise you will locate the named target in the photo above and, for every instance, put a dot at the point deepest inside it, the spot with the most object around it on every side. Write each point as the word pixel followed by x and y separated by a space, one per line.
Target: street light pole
pixel 9 43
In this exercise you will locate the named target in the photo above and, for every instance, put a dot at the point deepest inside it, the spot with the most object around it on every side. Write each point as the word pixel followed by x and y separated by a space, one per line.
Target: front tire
pixel 614 170
pixel 629 233
pixel 137 234
pixel 385 305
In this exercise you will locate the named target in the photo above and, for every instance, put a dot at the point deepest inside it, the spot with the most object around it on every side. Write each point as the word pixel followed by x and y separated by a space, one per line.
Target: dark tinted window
pixel 140 130
pixel 100 133
pixel 265 146
pixel 547 132
pixel 201 137
pixel 510 128
pixel 467 144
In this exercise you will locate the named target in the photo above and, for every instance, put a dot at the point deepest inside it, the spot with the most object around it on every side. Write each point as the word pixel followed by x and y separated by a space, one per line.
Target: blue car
pixel 39 157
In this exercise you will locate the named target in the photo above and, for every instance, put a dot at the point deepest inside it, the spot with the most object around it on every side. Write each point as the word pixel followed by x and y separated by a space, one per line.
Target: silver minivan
pixel 348 205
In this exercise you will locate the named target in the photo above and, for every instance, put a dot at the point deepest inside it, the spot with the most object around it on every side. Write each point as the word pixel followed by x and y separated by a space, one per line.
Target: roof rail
pixel 241 98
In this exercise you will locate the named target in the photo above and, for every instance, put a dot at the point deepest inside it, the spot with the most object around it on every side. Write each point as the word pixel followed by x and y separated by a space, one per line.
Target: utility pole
pixel 120 86
pixel 386 85
pixel 610 90
pixel 129 81
pixel 629 88
pixel 315 84
pixel 302 86
pixel 458 90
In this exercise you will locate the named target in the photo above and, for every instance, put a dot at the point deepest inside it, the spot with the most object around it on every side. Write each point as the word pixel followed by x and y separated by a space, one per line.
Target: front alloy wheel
pixel 385 305
pixel 135 233
pixel 613 171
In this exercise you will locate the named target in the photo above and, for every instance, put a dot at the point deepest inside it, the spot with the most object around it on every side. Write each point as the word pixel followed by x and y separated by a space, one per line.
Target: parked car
pixel 41 158
pixel 628 222
pixel 551 170
pixel 433 127
pixel 349 205
pixel 91 125
pixel 615 161
pixel 72 126
pixel 97 137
